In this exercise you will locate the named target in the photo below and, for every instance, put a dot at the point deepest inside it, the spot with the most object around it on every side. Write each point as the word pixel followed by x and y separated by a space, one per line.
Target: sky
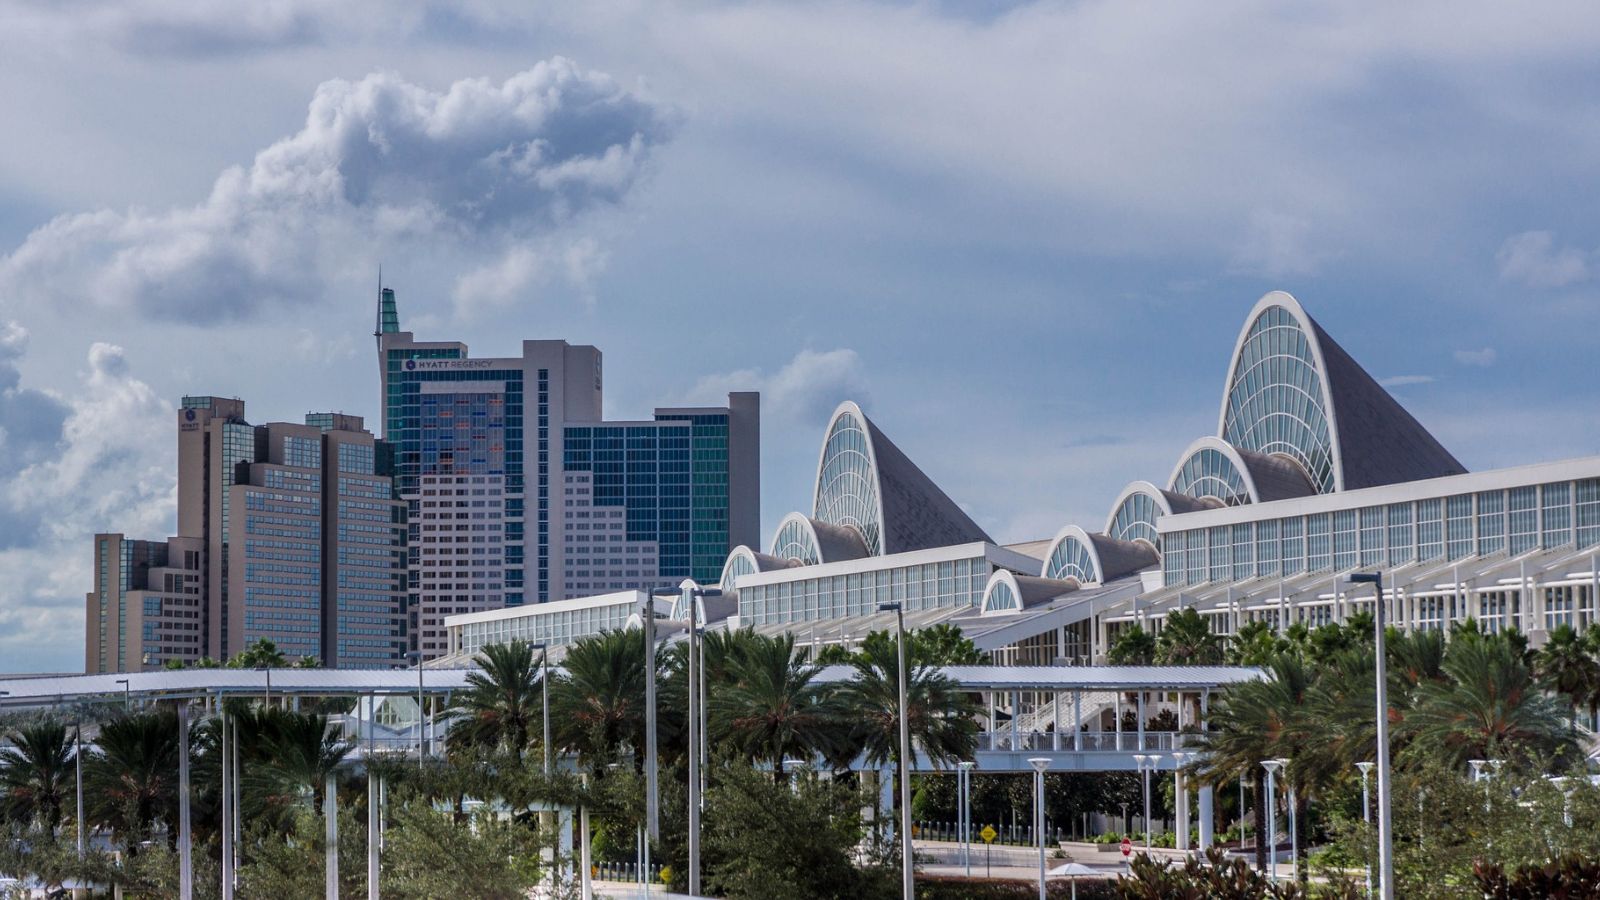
pixel 1023 236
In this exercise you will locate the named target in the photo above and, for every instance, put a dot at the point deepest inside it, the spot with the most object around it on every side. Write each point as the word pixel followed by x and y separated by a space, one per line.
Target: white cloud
pixel 488 170
pixel 803 392
pixel 1531 258
pixel 1479 358
pixel 1404 380
pixel 110 469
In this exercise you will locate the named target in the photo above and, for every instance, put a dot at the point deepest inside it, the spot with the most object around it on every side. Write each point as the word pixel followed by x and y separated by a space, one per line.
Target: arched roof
pixel 865 482
pixel 745 561
pixel 807 542
pixel 1094 558
pixel 1008 592
pixel 1293 391
pixel 1212 468
pixel 1135 511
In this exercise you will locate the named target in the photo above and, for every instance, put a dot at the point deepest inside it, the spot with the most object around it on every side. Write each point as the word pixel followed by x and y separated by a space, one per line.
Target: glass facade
pixel 847 487
pixel 1457 527
pixel 1208 472
pixel 795 541
pixel 1135 520
pixel 554 627
pixel 931 585
pixel 670 479
pixel 1001 599
pixel 1071 559
pixel 1275 399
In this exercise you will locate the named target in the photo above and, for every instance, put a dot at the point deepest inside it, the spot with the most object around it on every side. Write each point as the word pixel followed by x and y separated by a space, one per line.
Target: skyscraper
pixel 519 492
pixel 287 532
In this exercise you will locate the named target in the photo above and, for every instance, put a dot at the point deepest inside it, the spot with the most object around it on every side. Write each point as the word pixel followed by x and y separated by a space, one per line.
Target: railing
pixel 1088 741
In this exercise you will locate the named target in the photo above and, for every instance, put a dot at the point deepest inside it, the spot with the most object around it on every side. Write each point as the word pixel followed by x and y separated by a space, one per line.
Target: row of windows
pixel 1511 521
pixel 928 586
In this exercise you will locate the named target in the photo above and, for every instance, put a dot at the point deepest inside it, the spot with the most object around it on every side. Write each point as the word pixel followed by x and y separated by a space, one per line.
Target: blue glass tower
pixel 518 492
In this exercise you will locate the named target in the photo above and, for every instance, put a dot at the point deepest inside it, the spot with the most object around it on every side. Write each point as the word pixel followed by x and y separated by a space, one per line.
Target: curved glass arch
pixel 1275 400
pixel 738 564
pixel 1001 598
pixel 847 485
pixel 796 541
pixel 1135 520
pixel 1208 472
pixel 1071 559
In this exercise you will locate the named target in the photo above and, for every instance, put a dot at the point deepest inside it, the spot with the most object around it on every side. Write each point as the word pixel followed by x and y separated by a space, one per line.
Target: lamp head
pixel 1366 577
pixel 1365 767
pixel 965 763
pixel 1039 763
pixel 1273 766
pixel 891 606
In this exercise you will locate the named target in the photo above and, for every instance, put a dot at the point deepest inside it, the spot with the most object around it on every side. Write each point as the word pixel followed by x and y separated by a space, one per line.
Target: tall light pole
pixel 1385 823
pixel 652 798
pixel 1039 763
pixel 1366 814
pixel 964 813
pixel 185 835
pixel 689 592
pixel 1148 762
pixel 1272 766
pixel 1291 801
pixel 127 695
pixel 908 885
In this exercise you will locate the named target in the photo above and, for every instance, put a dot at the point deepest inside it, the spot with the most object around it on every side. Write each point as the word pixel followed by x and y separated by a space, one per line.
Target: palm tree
pixel 262 654
pixel 1252 722
pixel 771 706
pixel 294 753
pixel 503 703
pixel 1254 644
pixel 942 719
pixel 1133 647
pixel 1187 640
pixel 131 780
pixel 1567 666
pixel 36 773
pixel 597 707
pixel 1490 707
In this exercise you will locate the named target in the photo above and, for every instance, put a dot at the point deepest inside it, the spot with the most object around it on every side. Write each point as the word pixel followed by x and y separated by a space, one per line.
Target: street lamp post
pixel 1272 766
pixel 1039 763
pixel 689 592
pixel 908 885
pixel 1291 802
pixel 1385 823
pixel 651 766
pixel 1148 762
pixel 964 813
pixel 127 695
pixel 1366 814
pixel 1180 799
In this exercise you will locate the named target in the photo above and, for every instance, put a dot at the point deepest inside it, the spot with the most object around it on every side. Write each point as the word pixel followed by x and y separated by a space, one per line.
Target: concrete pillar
pixel 1077 720
pixel 1181 802
pixel 1207 816
pixel 1141 721
pixel 886 802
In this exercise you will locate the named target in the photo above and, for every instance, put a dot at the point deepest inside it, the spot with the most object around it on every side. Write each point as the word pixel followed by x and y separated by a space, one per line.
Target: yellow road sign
pixel 988 834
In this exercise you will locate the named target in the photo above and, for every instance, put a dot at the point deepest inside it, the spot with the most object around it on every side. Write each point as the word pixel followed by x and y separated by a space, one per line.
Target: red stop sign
pixel 1127 847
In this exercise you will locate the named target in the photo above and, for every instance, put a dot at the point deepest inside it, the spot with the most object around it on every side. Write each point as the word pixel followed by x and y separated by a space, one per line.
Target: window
pixel 1402 534
pixel 1458 526
pixel 1523 519
pixel 1555 501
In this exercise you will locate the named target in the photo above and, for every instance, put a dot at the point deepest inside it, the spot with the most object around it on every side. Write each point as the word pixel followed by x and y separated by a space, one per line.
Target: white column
pixel 1077 720
pixel 185 835
pixel 886 801
pixel 1181 802
pixel 1206 816
pixel 1055 710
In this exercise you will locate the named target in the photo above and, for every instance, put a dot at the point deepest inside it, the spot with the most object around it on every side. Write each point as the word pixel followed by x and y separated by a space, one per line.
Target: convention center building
pixel 1315 473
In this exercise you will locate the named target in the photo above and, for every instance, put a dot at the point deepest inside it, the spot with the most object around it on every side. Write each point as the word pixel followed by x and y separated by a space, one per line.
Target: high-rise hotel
pixel 286 531
pixel 519 492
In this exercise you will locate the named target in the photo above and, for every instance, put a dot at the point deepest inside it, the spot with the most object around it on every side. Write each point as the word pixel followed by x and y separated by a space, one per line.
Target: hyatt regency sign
pixel 423 365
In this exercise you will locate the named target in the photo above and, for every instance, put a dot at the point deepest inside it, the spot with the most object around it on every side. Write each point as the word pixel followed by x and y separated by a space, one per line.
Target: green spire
pixel 388 314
